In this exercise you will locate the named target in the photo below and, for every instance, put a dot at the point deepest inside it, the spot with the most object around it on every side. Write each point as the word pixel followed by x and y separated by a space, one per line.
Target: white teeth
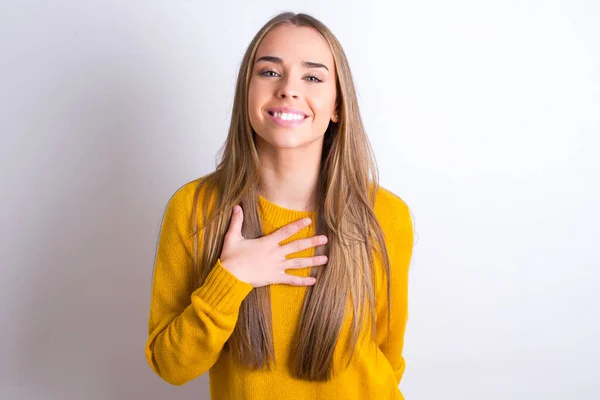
pixel 288 117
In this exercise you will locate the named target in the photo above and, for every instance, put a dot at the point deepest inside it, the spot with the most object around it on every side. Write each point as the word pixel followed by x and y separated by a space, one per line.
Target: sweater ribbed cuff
pixel 222 290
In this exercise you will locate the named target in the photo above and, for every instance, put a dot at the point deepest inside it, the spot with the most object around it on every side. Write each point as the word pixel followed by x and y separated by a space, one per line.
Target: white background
pixel 485 119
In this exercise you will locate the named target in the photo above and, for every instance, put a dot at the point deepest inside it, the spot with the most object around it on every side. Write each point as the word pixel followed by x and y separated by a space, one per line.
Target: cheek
pixel 254 104
pixel 252 113
pixel 323 104
pixel 252 94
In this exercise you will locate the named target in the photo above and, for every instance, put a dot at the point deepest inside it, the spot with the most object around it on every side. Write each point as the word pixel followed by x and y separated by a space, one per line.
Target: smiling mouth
pixel 287 120
pixel 287 116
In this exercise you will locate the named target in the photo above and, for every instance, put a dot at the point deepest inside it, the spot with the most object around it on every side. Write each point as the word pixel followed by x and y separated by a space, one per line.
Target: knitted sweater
pixel 187 331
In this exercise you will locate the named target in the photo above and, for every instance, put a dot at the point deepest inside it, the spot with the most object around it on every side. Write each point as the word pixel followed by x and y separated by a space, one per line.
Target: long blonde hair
pixel 347 185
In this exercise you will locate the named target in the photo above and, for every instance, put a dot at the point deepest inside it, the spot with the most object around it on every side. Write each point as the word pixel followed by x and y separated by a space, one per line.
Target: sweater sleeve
pixel 399 242
pixel 187 331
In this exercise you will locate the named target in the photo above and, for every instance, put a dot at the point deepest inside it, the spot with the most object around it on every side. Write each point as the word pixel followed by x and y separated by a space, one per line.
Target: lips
pixel 287 117
pixel 286 110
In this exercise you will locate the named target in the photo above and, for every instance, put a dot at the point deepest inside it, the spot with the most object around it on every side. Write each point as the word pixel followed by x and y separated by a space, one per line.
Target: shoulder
pixel 395 218
pixel 184 195
pixel 390 209
pixel 181 202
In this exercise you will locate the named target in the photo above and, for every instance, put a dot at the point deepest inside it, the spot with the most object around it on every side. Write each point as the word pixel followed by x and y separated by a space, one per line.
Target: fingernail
pixel 236 209
pixel 307 221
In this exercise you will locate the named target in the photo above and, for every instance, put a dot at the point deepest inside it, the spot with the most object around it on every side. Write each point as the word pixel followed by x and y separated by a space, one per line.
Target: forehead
pixel 294 44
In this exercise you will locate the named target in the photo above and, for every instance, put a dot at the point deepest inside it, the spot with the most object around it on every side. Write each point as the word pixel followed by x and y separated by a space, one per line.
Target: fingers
pixel 297 280
pixel 286 231
pixel 304 262
pixel 235 226
pixel 303 244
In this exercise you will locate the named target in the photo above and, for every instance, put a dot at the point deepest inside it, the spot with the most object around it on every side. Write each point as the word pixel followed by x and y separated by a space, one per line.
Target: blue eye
pixel 266 73
pixel 270 74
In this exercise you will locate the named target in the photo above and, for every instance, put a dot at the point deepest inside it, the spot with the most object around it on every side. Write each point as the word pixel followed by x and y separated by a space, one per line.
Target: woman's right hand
pixel 262 261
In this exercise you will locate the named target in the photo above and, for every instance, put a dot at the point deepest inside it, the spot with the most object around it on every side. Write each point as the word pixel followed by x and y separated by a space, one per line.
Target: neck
pixel 289 176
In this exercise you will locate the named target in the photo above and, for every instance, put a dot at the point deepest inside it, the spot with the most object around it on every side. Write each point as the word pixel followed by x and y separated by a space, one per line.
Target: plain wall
pixel 484 117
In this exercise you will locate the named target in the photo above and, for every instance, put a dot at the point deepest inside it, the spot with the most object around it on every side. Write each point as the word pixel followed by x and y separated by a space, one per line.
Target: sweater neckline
pixel 278 216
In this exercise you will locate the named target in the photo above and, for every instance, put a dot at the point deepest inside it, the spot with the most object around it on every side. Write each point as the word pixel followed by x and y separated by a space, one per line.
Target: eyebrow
pixel 277 60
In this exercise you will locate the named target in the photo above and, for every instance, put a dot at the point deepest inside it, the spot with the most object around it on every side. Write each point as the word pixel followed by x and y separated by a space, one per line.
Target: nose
pixel 287 89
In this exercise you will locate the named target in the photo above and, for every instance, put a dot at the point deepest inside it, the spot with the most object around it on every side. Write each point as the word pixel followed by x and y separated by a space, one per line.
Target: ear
pixel 335 116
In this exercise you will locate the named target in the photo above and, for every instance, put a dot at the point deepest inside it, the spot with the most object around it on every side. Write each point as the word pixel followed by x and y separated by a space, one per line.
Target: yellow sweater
pixel 187 331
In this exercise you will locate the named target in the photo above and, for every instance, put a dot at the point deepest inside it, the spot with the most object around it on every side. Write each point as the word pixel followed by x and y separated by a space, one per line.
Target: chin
pixel 284 143
pixel 284 138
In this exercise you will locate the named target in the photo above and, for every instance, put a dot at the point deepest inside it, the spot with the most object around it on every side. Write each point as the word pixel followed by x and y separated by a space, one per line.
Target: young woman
pixel 285 271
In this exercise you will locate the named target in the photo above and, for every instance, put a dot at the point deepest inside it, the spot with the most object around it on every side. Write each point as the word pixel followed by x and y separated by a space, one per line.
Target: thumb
pixel 235 226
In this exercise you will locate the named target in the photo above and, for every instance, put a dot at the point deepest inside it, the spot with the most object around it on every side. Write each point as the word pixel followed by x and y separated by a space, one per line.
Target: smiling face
pixel 292 93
